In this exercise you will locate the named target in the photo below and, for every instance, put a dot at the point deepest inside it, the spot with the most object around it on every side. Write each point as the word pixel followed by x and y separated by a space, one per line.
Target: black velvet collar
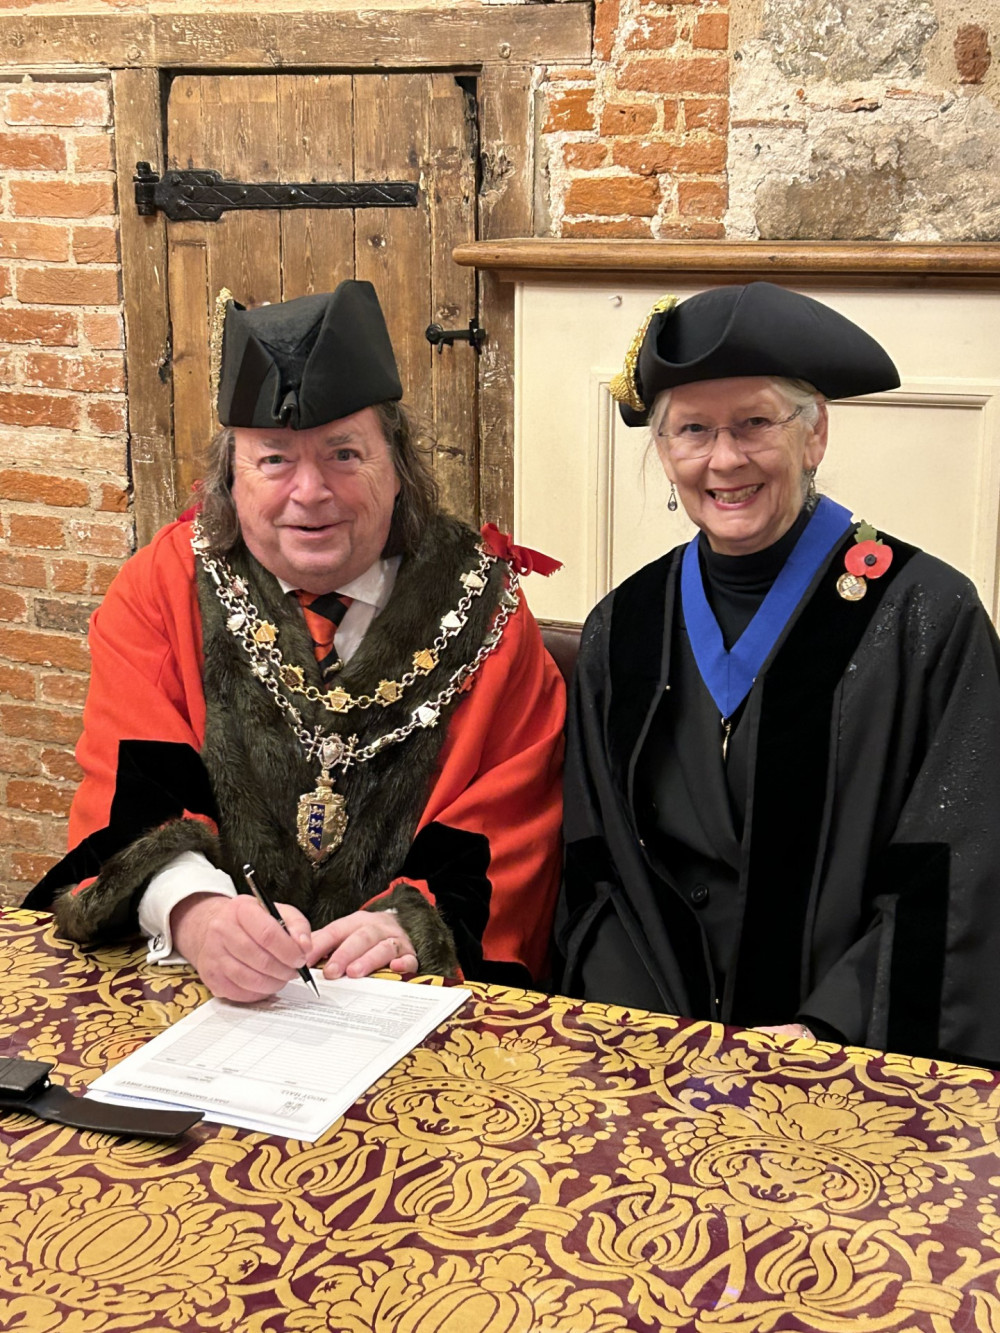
pixel 639 657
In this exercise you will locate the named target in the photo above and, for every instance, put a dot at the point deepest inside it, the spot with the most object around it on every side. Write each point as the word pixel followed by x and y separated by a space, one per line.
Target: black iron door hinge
pixel 201 195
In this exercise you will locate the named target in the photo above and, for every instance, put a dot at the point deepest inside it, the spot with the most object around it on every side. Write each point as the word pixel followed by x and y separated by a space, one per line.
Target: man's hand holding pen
pixel 242 954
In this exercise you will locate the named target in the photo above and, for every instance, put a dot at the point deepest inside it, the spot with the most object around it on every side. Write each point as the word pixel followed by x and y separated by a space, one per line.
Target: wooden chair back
pixel 562 639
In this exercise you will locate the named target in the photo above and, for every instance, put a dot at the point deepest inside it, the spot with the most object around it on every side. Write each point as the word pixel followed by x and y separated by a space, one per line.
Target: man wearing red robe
pixel 319 674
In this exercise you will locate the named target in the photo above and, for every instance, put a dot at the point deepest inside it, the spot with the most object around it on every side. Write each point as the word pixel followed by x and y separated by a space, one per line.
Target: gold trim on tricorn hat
pixel 623 387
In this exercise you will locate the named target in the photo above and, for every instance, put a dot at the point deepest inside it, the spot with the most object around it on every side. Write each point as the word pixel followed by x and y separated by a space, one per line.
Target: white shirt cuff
pixel 186 874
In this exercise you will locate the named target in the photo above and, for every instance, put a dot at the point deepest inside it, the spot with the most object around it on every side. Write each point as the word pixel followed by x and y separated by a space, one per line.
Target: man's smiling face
pixel 315 505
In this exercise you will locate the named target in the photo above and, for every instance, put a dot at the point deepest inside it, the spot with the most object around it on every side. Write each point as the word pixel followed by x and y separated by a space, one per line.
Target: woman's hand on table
pixel 239 950
pixel 362 943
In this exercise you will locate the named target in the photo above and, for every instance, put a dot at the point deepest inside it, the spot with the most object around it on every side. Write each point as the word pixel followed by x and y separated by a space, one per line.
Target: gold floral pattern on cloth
pixel 537 1164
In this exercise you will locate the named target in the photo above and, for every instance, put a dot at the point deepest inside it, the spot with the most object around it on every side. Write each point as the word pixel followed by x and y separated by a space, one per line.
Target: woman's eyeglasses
pixel 694 440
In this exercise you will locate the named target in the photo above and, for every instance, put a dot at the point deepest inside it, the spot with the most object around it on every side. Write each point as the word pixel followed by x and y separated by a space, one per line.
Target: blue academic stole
pixel 730 675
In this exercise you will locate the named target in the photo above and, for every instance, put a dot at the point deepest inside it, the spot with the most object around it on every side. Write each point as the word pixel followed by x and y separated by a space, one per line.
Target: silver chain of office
pixel 334 751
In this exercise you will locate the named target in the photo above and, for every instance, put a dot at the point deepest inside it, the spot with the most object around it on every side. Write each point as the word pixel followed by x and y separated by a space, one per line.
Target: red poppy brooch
pixel 868 558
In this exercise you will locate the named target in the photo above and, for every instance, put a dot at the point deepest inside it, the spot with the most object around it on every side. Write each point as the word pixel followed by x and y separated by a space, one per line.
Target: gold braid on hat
pixel 215 342
pixel 623 385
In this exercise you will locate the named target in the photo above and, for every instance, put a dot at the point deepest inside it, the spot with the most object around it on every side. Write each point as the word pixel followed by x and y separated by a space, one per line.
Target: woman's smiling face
pixel 743 498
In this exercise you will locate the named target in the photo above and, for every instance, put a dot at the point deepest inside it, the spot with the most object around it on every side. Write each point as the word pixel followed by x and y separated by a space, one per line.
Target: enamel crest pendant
pixel 322 819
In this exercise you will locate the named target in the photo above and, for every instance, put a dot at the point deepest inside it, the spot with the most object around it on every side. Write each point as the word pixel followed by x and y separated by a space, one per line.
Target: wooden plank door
pixel 306 127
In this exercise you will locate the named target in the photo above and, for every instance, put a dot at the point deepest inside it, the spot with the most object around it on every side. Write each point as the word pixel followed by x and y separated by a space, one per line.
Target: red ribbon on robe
pixel 523 558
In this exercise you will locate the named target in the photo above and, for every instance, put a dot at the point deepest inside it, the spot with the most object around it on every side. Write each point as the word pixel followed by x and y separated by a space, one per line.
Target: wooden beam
pixel 461 36
pixel 112 41
pixel 867 263
pixel 467 35
pixel 136 94
pixel 505 208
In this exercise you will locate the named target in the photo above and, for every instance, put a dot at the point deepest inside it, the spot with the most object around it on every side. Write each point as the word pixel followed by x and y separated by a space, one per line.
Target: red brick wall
pixel 637 140
pixel 65 525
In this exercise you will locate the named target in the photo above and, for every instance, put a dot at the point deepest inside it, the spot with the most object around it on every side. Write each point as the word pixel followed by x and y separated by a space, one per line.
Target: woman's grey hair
pixel 797 393
pixel 416 502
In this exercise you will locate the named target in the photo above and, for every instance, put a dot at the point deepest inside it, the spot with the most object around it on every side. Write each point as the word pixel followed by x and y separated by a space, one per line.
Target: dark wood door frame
pixel 500 46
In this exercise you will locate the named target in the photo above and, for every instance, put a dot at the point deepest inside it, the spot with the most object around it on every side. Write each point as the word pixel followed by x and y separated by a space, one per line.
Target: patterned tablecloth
pixel 538 1164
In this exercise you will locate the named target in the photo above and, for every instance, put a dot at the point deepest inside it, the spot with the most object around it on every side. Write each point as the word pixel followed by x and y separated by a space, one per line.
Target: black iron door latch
pixel 441 338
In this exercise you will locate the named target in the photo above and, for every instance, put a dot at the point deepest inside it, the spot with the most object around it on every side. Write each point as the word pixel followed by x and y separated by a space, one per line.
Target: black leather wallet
pixel 25 1086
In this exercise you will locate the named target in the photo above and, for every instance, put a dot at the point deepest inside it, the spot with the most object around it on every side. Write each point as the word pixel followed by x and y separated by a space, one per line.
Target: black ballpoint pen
pixel 270 908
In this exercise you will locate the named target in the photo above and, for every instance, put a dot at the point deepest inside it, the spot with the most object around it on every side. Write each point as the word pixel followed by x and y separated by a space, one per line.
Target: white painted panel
pixel 922 463
pixel 924 460
pixel 641 525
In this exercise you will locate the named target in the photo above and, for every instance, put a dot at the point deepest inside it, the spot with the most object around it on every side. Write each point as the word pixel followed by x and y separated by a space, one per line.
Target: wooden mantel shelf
pixel 971 264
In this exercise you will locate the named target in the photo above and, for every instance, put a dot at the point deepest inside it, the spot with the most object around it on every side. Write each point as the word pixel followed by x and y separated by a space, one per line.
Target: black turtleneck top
pixel 735 585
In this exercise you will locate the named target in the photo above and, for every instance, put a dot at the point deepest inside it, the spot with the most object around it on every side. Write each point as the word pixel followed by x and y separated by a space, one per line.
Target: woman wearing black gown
pixel 784 741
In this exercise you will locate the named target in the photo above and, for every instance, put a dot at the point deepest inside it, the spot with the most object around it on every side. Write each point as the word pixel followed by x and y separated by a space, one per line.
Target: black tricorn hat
pixel 305 362
pixel 756 329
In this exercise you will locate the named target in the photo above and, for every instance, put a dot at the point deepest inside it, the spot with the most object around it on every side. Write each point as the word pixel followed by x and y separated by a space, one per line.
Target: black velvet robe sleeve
pixel 625 935
pixel 914 815
pixel 590 927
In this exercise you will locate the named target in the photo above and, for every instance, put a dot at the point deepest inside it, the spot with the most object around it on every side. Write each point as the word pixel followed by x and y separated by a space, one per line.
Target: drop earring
pixel 672 502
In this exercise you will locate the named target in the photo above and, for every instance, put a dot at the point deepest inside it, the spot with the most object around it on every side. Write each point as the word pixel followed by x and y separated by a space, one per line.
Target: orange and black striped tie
pixel 323 612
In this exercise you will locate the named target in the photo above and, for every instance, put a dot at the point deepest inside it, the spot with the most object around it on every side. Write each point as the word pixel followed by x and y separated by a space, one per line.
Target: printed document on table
pixel 289 1065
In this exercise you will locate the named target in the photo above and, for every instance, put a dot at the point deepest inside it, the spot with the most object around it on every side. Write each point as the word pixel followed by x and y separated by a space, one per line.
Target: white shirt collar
pixel 374 586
